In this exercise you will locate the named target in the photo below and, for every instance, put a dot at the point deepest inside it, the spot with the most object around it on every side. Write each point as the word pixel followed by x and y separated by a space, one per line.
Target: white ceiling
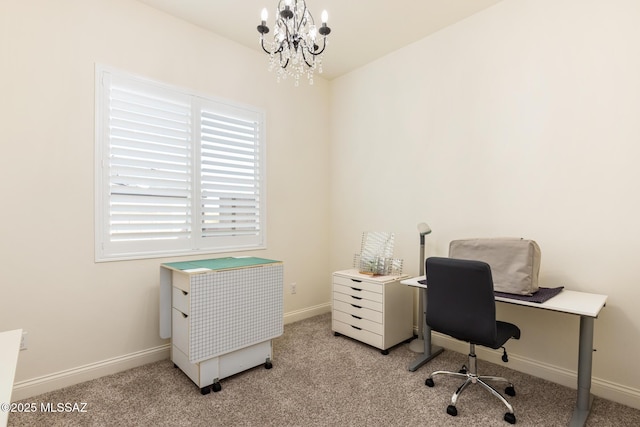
pixel 361 30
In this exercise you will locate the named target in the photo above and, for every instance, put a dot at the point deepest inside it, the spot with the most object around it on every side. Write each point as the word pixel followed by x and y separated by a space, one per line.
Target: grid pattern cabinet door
pixel 376 310
pixel 224 314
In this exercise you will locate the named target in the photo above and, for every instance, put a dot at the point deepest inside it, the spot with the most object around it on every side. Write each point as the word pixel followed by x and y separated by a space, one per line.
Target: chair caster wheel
pixel 510 418
pixel 510 391
pixel 429 382
pixel 451 410
pixel 216 387
pixel 463 370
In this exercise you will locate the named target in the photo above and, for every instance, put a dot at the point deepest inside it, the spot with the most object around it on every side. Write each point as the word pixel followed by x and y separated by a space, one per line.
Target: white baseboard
pixel 316 310
pixel 566 377
pixel 44 384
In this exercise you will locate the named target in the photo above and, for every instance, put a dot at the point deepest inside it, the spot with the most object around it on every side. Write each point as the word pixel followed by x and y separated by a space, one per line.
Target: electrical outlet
pixel 293 288
pixel 23 341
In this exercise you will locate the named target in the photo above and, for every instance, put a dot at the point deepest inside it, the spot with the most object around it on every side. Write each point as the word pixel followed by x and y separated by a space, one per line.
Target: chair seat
pixel 505 331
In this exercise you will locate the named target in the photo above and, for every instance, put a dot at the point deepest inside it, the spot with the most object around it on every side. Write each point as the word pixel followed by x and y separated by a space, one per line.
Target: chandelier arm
pixel 316 53
pixel 287 38
pixel 304 57
pixel 304 12
pixel 324 44
pixel 279 50
pixel 263 48
pixel 285 64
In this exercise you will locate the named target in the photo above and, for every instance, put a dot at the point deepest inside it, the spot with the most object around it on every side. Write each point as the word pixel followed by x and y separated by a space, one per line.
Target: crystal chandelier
pixel 294 49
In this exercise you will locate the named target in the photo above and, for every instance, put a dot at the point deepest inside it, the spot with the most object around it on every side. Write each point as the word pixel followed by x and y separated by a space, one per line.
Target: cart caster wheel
pixel 385 352
pixel 216 387
pixel 451 410
pixel 268 365
pixel 510 418
pixel 510 391
pixel 429 382
pixel 205 390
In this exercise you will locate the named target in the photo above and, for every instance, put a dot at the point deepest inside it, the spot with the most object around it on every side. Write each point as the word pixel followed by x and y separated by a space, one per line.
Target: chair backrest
pixel 460 300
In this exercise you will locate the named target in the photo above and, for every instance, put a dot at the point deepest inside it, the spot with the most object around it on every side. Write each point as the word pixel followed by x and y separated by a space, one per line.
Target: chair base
pixel 471 377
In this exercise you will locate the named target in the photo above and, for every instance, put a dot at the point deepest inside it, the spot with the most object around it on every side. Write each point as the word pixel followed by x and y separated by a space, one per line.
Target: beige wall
pixel 520 121
pixel 86 316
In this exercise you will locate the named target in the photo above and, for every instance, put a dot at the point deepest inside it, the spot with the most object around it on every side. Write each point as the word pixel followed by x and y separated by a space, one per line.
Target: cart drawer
pixel 357 292
pixel 357 301
pixel 359 334
pixel 359 284
pixel 359 311
pixel 359 322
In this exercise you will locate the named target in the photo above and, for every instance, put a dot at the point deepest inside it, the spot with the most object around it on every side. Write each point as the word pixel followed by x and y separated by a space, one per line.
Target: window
pixel 176 173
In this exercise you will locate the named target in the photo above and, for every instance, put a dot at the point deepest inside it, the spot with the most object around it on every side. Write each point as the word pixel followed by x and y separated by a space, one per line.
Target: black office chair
pixel 461 304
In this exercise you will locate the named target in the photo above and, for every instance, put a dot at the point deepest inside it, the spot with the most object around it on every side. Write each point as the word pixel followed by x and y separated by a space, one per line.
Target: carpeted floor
pixel 317 380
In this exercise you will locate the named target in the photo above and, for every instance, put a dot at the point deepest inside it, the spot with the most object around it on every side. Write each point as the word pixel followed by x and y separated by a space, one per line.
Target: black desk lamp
pixel 417 345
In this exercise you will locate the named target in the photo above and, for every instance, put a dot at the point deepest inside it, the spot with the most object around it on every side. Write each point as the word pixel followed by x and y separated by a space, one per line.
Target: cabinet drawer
pixel 359 284
pixel 359 311
pixel 358 301
pixel 180 300
pixel 354 320
pixel 357 292
pixel 181 281
pixel 180 332
pixel 359 334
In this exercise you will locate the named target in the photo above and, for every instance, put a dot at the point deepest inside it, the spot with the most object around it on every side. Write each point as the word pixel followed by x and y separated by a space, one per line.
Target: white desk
pixel 9 349
pixel 583 304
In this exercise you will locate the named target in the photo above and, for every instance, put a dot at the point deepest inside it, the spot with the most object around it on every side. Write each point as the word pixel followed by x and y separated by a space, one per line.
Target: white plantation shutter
pixel 175 172
pixel 230 176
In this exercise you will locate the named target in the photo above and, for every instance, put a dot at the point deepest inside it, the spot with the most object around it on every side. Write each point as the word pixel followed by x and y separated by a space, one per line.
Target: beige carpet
pixel 317 380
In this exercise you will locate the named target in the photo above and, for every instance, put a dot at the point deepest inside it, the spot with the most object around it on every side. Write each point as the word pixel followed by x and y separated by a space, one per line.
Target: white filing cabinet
pixel 377 310
pixel 223 314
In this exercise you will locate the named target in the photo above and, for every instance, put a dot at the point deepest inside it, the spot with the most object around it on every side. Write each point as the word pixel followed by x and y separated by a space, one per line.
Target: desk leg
pixel 429 351
pixel 585 358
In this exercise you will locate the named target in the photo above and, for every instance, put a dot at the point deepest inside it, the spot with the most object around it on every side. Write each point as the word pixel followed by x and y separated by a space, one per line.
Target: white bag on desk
pixel 514 262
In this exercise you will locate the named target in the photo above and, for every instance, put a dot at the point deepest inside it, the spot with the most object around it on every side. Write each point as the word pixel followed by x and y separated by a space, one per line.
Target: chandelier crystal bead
pixel 295 47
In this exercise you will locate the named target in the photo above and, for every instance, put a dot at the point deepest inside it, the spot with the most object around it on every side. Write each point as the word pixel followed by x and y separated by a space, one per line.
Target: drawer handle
pixel 358 298
pixel 356 280
pixel 356 306
pixel 355 327
pixel 357 317
pixel 184 315
pixel 185 293
pixel 356 289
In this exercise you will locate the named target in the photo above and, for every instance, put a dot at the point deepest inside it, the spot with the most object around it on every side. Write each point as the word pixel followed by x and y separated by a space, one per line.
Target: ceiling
pixel 362 30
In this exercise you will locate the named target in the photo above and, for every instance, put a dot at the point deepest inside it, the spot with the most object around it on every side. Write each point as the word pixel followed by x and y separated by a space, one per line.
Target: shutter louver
pixel 149 166
pixel 230 176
